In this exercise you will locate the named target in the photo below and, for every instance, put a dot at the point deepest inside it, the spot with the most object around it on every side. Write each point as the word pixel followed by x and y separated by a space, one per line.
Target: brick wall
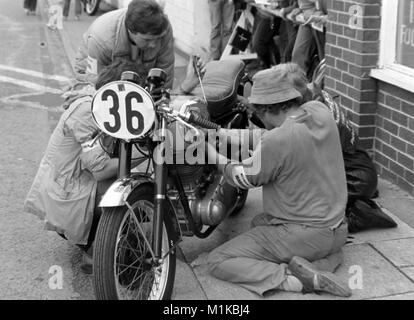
pixel 394 143
pixel 351 53
pixel 383 114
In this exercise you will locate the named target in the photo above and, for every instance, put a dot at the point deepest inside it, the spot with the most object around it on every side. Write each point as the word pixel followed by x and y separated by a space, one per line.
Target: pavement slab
pixel 399 252
pixel 356 257
pixel 409 272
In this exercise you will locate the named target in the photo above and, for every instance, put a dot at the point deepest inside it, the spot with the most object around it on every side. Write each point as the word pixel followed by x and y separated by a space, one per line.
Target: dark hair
pixel 278 107
pixel 146 17
pixel 114 71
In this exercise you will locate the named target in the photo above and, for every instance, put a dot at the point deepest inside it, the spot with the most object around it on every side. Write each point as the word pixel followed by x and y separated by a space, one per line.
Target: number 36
pixel 130 114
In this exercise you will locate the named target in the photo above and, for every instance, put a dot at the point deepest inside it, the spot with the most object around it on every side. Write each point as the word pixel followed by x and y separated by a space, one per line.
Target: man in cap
pixel 304 197
pixel 140 33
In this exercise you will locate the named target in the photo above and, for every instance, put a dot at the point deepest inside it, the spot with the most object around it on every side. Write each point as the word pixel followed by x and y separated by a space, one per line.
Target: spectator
pixel 30 6
pixel 221 17
pixel 308 39
pixel 141 33
pixel 78 9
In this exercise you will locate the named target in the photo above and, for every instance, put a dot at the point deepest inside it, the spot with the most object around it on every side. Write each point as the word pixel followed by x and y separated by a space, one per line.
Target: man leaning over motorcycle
pixel 304 197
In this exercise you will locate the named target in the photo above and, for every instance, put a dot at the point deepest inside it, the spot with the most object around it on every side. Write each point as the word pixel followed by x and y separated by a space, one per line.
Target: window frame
pixel 388 69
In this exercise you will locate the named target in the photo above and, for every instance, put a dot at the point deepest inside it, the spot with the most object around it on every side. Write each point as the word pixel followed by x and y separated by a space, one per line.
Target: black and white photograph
pixel 227 152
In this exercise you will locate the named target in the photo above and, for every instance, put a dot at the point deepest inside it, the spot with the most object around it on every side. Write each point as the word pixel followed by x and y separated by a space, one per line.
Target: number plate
pixel 123 110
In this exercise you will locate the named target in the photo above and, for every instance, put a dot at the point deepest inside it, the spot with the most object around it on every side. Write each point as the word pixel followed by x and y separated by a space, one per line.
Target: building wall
pixel 191 23
pixel 383 114
pixel 181 15
pixel 394 143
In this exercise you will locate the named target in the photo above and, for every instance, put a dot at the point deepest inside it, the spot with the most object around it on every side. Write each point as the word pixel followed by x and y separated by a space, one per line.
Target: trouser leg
pixel 245 262
pixel 78 7
pixel 291 33
pixel 216 25
pixel 256 260
pixel 262 41
pixel 227 20
pixel 66 8
pixel 303 47
pixel 320 43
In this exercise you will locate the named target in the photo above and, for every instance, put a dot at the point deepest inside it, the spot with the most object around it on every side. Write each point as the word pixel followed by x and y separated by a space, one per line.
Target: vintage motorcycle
pixel 145 215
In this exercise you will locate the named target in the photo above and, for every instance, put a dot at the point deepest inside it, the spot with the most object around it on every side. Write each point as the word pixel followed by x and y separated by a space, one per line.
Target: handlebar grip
pixel 198 120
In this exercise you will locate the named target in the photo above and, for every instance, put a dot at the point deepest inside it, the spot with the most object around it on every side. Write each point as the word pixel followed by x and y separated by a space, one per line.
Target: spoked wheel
pixel 92 6
pixel 123 266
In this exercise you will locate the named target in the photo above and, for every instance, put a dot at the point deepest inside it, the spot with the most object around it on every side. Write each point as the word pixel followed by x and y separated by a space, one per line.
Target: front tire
pixel 122 268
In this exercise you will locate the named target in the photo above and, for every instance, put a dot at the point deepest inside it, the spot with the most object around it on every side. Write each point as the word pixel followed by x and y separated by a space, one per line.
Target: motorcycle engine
pixel 209 196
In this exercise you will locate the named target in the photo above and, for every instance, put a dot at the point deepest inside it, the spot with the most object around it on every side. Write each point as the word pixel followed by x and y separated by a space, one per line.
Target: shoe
pixel 77 18
pixel 314 280
pixel 87 264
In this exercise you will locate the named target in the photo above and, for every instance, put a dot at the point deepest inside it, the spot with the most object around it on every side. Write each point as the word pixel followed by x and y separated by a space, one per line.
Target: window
pixel 396 64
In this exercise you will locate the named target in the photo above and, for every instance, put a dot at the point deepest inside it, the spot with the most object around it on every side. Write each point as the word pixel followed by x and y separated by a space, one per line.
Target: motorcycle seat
pixel 220 83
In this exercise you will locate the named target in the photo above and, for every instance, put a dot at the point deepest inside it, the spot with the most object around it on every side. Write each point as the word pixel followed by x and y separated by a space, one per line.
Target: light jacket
pixel 107 40
pixel 64 189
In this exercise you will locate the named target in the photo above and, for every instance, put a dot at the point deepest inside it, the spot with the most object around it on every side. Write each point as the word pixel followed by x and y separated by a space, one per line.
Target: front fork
pixel 160 171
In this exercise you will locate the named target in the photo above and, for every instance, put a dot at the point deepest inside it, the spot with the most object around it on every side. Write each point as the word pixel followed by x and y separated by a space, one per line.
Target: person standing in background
pixel 66 9
pixel 30 6
pixel 221 17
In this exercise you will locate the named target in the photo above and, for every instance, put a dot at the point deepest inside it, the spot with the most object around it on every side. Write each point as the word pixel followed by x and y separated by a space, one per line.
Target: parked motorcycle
pixel 146 215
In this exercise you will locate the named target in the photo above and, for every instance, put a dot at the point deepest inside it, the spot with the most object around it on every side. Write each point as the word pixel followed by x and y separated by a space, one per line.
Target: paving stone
pixel 399 252
pixel 405 296
pixel 409 272
pixel 186 286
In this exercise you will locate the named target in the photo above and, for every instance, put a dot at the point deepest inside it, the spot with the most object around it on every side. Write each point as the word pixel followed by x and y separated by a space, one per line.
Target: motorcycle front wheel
pixel 122 264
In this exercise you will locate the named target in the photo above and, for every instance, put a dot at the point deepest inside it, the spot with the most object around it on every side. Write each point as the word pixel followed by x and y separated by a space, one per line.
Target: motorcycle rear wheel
pixel 122 268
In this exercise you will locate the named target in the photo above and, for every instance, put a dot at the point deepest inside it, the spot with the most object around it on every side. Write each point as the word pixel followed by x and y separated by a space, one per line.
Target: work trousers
pixel 66 8
pixel 257 259
pixel 307 40
pixel 264 30
pixel 221 17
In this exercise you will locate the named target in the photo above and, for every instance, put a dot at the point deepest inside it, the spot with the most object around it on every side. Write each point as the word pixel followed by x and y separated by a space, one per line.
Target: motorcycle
pixel 146 215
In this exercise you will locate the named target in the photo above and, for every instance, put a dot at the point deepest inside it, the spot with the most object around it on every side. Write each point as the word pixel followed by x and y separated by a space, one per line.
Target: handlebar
pixel 187 118
pixel 199 121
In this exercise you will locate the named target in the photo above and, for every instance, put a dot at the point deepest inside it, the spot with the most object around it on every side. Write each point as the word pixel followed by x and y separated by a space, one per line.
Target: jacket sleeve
pixel 261 168
pixel 166 58
pixel 90 58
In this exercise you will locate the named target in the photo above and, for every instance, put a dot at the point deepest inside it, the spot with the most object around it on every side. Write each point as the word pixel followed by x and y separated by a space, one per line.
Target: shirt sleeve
pixel 261 168
pixel 166 58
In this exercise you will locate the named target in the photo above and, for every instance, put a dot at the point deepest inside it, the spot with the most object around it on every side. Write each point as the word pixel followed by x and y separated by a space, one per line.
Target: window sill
pixel 395 78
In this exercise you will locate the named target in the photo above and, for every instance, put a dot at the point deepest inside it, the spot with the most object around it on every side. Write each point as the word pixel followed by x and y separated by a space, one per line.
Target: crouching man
pixel 304 197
